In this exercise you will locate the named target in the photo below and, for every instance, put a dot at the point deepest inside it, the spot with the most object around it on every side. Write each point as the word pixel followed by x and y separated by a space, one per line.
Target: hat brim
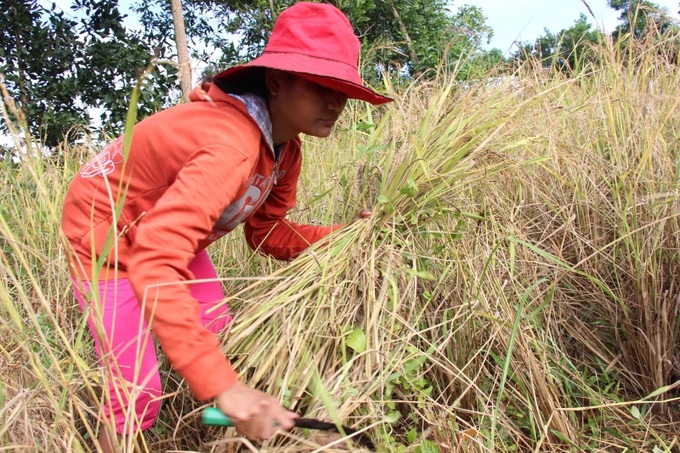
pixel 352 90
pixel 313 69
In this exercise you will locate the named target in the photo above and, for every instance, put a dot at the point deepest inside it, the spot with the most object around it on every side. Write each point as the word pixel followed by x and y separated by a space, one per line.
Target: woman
pixel 138 226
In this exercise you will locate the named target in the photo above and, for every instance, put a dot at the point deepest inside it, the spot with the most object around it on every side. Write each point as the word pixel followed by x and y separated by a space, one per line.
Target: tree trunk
pixel 182 49
pixel 404 32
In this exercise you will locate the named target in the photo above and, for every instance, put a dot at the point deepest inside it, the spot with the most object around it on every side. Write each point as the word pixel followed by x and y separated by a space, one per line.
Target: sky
pixel 525 20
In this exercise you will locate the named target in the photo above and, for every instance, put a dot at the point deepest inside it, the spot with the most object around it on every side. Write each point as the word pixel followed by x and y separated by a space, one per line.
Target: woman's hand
pixel 255 415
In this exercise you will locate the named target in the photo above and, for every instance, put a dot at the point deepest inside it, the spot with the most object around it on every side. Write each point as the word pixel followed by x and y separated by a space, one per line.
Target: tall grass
pixel 515 289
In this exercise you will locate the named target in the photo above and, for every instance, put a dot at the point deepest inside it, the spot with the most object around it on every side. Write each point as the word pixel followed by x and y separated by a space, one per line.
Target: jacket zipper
pixel 277 158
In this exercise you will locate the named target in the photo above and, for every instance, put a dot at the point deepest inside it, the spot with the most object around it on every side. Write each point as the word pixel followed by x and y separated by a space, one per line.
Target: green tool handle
pixel 212 416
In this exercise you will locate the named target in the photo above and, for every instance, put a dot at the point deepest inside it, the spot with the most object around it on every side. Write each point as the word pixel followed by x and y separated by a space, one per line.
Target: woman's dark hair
pixel 250 80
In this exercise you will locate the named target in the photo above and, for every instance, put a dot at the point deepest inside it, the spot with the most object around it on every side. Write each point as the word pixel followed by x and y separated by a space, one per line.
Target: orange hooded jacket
pixel 194 173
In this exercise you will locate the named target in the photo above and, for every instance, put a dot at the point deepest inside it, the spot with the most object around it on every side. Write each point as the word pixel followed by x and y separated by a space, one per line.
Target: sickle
pixel 214 417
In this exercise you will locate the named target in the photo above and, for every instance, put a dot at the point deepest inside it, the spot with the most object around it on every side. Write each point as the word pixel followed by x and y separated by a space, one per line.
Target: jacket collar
pixel 258 111
pixel 256 107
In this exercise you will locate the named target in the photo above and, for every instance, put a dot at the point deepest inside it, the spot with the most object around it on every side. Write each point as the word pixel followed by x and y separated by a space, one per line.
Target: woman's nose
pixel 336 101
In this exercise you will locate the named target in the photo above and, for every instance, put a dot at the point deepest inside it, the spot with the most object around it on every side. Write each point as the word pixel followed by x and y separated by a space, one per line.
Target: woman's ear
pixel 272 79
pixel 275 79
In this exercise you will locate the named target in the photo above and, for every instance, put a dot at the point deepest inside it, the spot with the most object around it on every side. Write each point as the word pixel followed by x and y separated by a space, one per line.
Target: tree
pixel 113 61
pixel 416 37
pixel 470 31
pixel 210 28
pixel 182 50
pixel 407 36
pixel 568 49
pixel 645 20
pixel 36 59
pixel 640 16
pixel 60 70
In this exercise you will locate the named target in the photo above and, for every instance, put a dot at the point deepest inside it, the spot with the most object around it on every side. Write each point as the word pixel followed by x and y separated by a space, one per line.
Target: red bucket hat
pixel 317 42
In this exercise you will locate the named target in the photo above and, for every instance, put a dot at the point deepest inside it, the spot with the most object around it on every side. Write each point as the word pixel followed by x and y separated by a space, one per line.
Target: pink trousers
pixel 125 346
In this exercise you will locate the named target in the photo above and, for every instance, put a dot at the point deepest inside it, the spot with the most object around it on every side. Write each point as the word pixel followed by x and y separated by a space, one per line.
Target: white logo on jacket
pixel 259 188
pixel 104 162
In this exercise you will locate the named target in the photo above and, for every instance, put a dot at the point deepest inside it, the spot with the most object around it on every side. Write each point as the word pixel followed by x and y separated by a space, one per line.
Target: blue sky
pixel 525 20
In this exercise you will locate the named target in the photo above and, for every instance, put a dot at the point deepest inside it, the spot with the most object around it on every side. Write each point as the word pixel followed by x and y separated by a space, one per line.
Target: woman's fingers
pixel 364 213
pixel 285 418
pixel 255 414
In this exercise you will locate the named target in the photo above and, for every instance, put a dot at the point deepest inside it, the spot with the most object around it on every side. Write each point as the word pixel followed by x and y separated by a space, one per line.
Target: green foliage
pixel 570 48
pixel 639 17
pixel 402 37
pixel 59 69
pixel 417 36
pixel 209 27
pixel 36 59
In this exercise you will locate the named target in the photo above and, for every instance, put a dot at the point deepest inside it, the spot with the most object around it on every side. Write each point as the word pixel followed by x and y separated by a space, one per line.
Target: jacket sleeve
pixel 166 242
pixel 269 231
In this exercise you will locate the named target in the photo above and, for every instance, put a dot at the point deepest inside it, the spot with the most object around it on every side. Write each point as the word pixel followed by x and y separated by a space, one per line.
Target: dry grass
pixel 515 290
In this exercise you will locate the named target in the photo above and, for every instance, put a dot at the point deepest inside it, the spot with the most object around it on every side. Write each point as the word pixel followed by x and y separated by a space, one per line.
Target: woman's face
pixel 297 105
